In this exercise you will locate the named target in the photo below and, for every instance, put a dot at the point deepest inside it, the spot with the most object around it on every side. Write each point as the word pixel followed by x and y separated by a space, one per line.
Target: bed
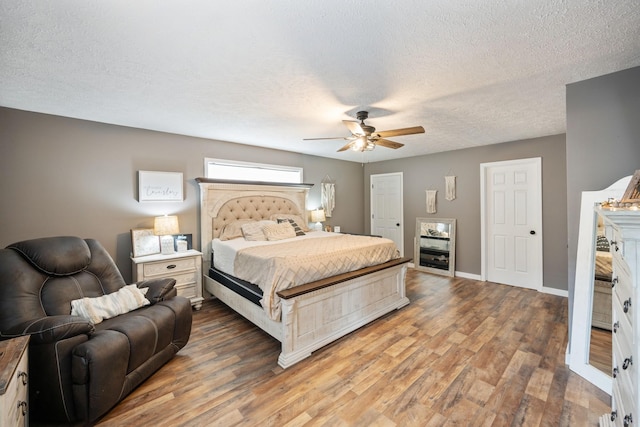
pixel 316 308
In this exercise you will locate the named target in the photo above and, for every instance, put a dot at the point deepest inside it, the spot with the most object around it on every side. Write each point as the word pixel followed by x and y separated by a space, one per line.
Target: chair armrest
pixel 159 289
pixel 51 329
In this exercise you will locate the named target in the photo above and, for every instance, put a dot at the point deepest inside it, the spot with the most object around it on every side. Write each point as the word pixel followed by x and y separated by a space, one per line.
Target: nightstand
pixel 14 386
pixel 185 267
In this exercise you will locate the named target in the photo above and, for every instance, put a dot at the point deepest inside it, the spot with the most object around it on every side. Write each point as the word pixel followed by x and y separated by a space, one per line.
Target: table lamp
pixel 317 216
pixel 165 226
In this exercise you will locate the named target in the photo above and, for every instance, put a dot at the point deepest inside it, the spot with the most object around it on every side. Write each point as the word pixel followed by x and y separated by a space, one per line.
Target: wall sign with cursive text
pixel 159 186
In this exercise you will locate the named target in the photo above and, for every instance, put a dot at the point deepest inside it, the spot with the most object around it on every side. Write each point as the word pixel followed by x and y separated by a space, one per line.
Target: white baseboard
pixel 554 291
pixel 544 290
pixel 468 275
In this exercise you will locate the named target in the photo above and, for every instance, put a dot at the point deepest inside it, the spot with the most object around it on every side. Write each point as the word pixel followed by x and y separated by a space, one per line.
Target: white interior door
pixel 386 207
pixel 512 222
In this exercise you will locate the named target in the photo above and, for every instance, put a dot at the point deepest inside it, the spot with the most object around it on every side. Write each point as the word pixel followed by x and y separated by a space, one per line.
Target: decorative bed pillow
pixel 253 230
pixel 296 218
pixel 233 230
pixel 283 230
pixel 126 299
pixel 295 225
pixel 602 244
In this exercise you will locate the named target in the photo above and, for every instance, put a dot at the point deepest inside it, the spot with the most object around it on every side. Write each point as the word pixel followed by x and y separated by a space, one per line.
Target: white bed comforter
pixel 275 266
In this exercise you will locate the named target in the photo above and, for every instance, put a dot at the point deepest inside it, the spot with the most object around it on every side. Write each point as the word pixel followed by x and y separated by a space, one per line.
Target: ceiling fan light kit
pixel 365 138
pixel 362 144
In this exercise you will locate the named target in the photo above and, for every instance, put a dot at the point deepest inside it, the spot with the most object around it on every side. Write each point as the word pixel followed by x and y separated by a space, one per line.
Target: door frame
pixel 484 167
pixel 401 192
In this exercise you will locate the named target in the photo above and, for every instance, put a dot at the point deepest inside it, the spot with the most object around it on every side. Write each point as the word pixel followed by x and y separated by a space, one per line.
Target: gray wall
pixel 63 176
pixel 603 140
pixel 427 172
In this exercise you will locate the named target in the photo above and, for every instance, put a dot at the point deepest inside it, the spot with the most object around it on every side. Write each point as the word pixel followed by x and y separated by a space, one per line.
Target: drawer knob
pixel 614 415
pixel 614 282
pixel 615 327
pixel 628 419
pixel 615 245
pixel 614 373
pixel 23 376
pixel 627 305
pixel 627 362
pixel 171 266
pixel 22 406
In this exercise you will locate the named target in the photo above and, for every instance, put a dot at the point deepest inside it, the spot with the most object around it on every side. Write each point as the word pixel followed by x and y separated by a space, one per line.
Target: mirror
pixel 600 354
pixel 584 288
pixel 435 245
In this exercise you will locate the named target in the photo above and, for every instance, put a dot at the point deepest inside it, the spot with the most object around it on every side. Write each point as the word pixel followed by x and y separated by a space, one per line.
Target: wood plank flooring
pixel 464 353
pixel 600 354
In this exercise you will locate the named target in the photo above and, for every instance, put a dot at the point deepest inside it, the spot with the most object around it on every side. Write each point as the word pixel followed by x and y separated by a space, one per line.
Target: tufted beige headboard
pixel 222 202
pixel 252 207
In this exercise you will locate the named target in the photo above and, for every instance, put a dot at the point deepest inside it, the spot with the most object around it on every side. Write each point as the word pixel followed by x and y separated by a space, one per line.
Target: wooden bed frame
pixel 314 314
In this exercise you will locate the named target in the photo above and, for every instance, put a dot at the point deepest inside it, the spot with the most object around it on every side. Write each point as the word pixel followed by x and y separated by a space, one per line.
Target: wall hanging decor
pixel 450 187
pixel 431 201
pixel 328 195
pixel 159 186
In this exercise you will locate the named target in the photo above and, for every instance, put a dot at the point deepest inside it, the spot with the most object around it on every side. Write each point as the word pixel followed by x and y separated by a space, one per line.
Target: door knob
pixel 532 232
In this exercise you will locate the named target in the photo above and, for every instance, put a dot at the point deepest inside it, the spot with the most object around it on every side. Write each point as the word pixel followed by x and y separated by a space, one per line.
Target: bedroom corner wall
pixel 427 172
pixel 63 176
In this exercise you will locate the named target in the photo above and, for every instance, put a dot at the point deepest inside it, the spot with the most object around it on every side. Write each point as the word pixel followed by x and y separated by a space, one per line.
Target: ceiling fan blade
pixel 354 127
pixel 398 132
pixel 346 147
pixel 317 139
pixel 388 144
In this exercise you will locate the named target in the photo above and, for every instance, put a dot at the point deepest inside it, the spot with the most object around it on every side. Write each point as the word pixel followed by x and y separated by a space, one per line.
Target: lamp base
pixel 166 245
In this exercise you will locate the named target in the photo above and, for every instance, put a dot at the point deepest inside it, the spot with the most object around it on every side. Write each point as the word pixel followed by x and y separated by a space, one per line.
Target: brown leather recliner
pixel 78 370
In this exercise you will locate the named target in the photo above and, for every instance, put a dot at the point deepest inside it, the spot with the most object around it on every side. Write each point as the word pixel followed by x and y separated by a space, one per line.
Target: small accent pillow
pixel 281 231
pixel 126 299
pixel 295 226
pixel 602 244
pixel 297 218
pixel 233 230
pixel 253 230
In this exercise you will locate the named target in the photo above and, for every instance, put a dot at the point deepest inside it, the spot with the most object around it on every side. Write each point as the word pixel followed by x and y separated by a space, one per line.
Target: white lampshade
pixel 164 225
pixel 317 215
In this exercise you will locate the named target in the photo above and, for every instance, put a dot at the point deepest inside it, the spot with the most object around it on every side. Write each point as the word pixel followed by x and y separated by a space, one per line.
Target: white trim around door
pixel 511 222
pixel 386 209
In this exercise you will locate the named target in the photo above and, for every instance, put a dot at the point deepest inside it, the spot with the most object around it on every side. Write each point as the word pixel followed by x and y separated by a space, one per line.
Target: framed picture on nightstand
pixel 144 242
pixel 182 242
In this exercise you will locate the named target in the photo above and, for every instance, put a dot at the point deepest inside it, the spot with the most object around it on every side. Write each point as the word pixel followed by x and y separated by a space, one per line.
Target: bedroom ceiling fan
pixel 365 138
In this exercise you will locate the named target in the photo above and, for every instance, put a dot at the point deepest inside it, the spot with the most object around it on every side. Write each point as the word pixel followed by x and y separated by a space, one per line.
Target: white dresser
pixel 623 232
pixel 14 382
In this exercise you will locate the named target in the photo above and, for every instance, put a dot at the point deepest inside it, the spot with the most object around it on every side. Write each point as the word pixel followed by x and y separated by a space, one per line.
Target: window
pixel 246 171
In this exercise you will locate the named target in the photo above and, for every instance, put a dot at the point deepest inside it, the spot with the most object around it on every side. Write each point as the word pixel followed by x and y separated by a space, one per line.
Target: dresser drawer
pixel 169 268
pixel 187 290
pixel 619 404
pixel 624 362
pixel 623 297
pixel 622 328
pixel 184 278
pixel 14 406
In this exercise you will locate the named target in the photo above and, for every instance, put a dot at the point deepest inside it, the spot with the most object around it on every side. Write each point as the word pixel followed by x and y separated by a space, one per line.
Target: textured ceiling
pixel 270 73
